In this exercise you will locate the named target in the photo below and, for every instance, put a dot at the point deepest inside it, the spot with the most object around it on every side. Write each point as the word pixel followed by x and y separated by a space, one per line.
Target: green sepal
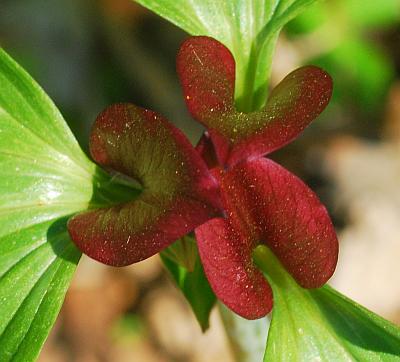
pixel 193 284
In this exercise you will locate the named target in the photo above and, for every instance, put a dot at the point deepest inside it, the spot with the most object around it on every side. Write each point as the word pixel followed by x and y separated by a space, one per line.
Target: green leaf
pixel 248 28
pixel 321 324
pixel 44 178
pixel 192 282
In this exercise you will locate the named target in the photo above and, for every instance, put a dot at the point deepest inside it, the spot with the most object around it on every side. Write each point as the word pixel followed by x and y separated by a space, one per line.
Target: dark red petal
pixel 296 101
pixel 276 208
pixel 178 190
pixel 227 262
pixel 207 73
pixel 206 69
pixel 206 150
pixel 213 148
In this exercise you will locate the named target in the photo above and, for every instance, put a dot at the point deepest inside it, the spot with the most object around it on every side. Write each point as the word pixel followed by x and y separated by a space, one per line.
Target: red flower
pixel 233 197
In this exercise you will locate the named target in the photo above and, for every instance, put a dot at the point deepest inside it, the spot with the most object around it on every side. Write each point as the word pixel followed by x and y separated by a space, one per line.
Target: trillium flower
pixel 225 190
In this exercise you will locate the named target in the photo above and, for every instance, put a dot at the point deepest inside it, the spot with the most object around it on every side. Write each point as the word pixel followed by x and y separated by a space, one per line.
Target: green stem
pixel 281 281
pixel 251 95
pixel 245 101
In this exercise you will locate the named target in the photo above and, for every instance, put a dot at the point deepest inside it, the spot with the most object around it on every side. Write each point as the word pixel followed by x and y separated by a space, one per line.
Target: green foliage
pixel 248 28
pixel 343 34
pixel 192 282
pixel 247 337
pixel 321 323
pixel 42 171
pixel 45 177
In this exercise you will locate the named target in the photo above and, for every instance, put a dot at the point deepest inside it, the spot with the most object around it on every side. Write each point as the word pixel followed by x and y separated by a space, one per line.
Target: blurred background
pixel 88 54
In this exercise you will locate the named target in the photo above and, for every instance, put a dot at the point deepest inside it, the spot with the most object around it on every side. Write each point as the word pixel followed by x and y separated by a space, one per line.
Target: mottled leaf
pixel 227 259
pixel 178 191
pixel 207 73
pixel 265 204
pixel 274 207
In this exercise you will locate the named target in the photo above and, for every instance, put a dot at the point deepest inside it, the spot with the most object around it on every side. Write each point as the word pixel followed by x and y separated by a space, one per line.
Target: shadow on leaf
pixel 58 238
pixel 355 325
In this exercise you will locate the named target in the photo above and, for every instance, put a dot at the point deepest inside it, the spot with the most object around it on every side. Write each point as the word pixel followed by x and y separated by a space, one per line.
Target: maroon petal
pixel 207 73
pixel 296 101
pixel 278 209
pixel 206 69
pixel 177 195
pixel 206 150
pixel 213 149
pixel 227 260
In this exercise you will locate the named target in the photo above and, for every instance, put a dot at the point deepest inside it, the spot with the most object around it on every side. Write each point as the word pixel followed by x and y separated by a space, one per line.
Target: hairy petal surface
pixel 275 207
pixel 206 69
pixel 293 104
pixel 177 195
pixel 207 73
pixel 226 254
